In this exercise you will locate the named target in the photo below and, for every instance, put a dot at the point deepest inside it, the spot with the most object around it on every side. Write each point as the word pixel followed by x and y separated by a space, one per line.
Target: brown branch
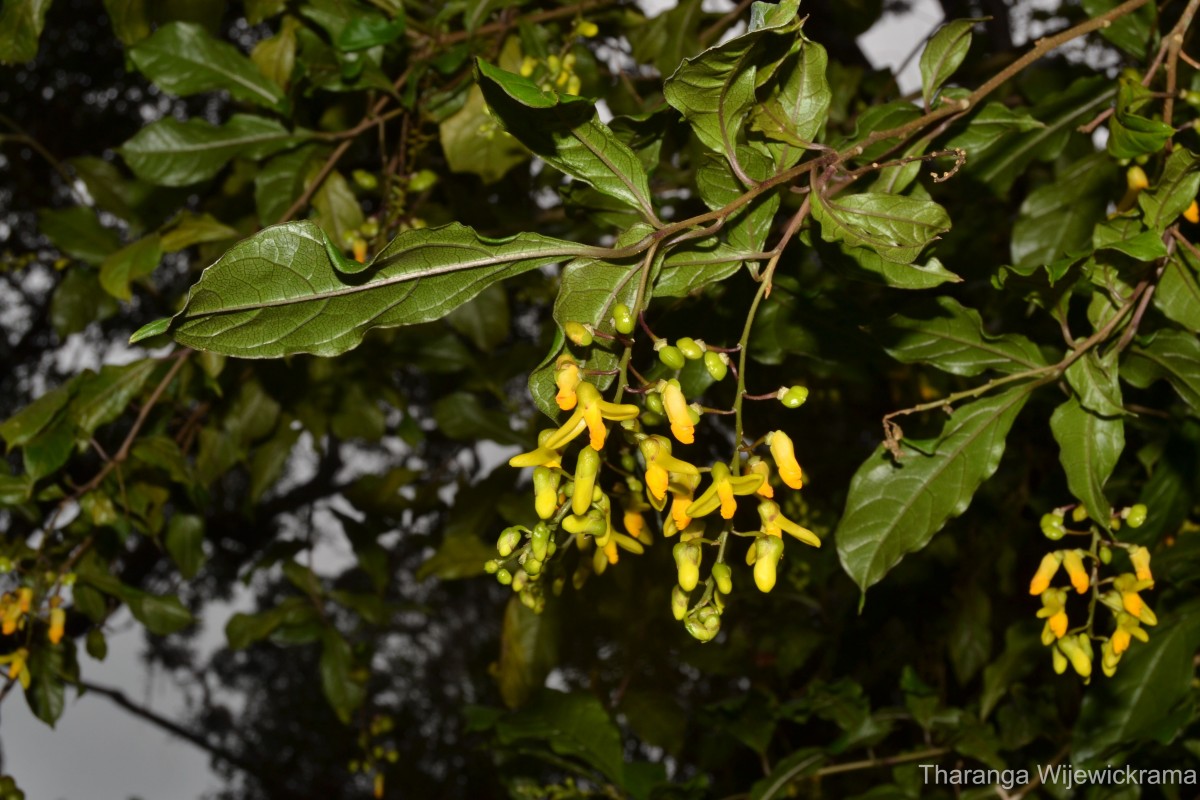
pixel 1174 45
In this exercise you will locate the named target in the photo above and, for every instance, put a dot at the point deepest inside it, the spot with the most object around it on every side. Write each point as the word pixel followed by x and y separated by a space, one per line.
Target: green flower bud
pixel 539 541
pixel 717 364
pixel 723 575
pixel 364 179
pixel 794 397
pixel 1137 515
pixel 587 467
pixel 509 539
pixel 1052 526
pixel 671 356
pixel 1079 514
pixel 690 348
pixel 578 333
pixel 425 179
pixel 491 566
pixel 654 402
pixel 504 577
pixel 533 566
pixel 1105 554
pixel 623 319
pixel 679 603
pixel 650 419
pixel 6 565
pixel 704 624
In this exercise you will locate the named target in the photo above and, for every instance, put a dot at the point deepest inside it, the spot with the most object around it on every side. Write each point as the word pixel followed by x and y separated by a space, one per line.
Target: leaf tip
pixel 156 328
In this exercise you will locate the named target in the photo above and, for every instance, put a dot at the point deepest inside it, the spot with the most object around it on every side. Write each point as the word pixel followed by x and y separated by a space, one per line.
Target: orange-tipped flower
pixel 1054 611
pixel 660 464
pixel 58 625
pixel 759 467
pixel 1049 566
pixel 566 377
pixel 1072 561
pixel 784 453
pixel 677 412
pixel 542 456
pixel 1192 212
pixel 590 413
pixel 774 523
pixel 1140 557
pixel 1128 585
pixel 720 493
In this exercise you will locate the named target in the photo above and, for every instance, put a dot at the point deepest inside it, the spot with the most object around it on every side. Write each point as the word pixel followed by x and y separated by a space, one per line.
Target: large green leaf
pixel 895 507
pixel 564 132
pixel 1172 355
pixel 1131 32
pixel 746 229
pixel 668 38
pixel 943 55
pixel 715 90
pixel 952 339
pixel 528 651
pixel 102 397
pixel 289 290
pixel 1174 192
pixel 21 24
pixel 1056 220
pixel 574 725
pixel 473 141
pixel 19 429
pixel 1178 293
pixel 129 19
pixel 1094 380
pixel 798 105
pixel 1132 135
pixel 281 180
pixel 77 232
pixel 894 226
pixel 1141 702
pixel 134 261
pixel 1089 447
pixel 342 685
pixel 868 265
pixel 987 128
pixel 694 265
pixel 1060 114
pixel 183 59
pixel 174 153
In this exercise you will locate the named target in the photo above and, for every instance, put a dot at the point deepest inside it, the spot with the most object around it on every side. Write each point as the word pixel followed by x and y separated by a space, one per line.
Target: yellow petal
pixel 1058 624
pixel 656 479
pixel 1046 570
pixel 679 506
pixel 1120 640
pixel 784 454
pixel 1073 563
pixel 595 426
pixel 728 504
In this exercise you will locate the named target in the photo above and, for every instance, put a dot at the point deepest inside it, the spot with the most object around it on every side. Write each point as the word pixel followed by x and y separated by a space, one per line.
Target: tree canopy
pixel 600 402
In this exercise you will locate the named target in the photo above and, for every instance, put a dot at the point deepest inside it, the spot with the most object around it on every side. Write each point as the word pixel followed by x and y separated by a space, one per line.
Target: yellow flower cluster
pixel 1074 647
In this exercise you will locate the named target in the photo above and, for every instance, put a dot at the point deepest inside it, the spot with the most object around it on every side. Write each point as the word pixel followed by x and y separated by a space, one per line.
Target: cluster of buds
pixel 1119 594
pixel 377 753
pixel 557 72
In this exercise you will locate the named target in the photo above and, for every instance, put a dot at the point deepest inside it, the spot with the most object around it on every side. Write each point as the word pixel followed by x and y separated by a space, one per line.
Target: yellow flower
pixel 767 552
pixel 1129 586
pixel 774 523
pixel 1054 611
pixel 566 377
pixel 17 667
pixel 635 524
pixel 677 412
pixel 660 464
pixel 1128 628
pixel 1049 566
pixel 1140 557
pixel 587 467
pixel 682 489
pixel 1078 651
pixel 1192 212
pixel 759 467
pixel 10 615
pixel 542 456
pixel 784 453
pixel 24 599
pixel 545 491
pixel 58 625
pixel 1072 561
pixel 590 413
pixel 721 491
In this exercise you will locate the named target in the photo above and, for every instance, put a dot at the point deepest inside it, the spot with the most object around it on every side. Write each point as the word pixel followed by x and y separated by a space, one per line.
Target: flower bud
pixel 545 491
pixel 578 333
pixel 679 603
pixel 794 397
pixel 687 563
pixel 1192 212
pixel 723 575
pixel 509 539
pixel 1105 554
pixel 704 624
pixel 491 566
pixel 504 577
pixel 690 348
pixel 654 403
pixel 1079 514
pixel 767 552
pixel 1137 515
pixel 1052 526
pixel 717 365
pixel 1073 563
pixel 623 319
pixel 1135 179
pixel 587 467
pixel 671 356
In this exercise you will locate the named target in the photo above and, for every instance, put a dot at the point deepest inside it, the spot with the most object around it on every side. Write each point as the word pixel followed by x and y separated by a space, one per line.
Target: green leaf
pixel 337 210
pixel 715 90
pixel 77 232
pixel 747 228
pixel 1057 219
pixel 129 19
pixel 21 24
pixel 693 265
pixel 161 615
pixel 484 321
pixel 1171 355
pixel 19 429
pixel 1089 447
pixel 134 261
pixel 988 127
pixel 281 180
pixel 952 338
pixel 286 290
pixel 1178 293
pixel 1094 381
pixel 565 132
pixel 1140 702
pixel 944 54
pixel 342 688
pixel 474 142
pixel 798 105
pixel 895 508
pixel 364 31
pixel 183 59
pixel 49 450
pixel 1060 114
pixel 669 38
pixel 46 693
pixel 1132 135
pixel 104 396
pixel 192 229
pixel 174 153
pixel 78 302
pixel 1175 191
pixel 462 417
pixel 574 725
pixel 1131 239
pixel 528 651
pixel 275 57
pixel 185 543
pixel 896 227
pixel 870 266
pixel 243 630
pixel 1022 648
pixel 1131 32
pixel 460 556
